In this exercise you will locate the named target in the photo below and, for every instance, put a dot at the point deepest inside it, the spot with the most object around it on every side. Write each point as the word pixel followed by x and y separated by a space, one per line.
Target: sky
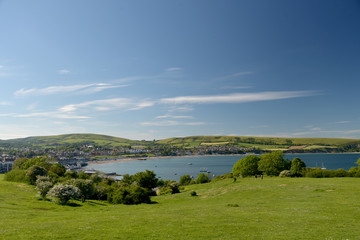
pixel 157 69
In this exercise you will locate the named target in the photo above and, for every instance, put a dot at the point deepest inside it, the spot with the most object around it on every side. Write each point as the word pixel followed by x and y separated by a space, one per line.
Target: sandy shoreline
pixel 189 156
pixel 149 158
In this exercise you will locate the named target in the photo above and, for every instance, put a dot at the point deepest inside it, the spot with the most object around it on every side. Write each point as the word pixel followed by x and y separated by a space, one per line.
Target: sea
pixel 173 168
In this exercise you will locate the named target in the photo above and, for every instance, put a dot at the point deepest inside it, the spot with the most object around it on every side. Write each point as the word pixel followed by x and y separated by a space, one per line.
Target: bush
pixel 297 166
pixel 100 192
pixel 85 186
pixel 58 169
pixel 64 192
pixel 170 188
pixel 83 175
pixel 33 172
pixel 132 194
pixel 43 185
pixel 286 173
pixel 16 175
pixel 185 180
pixel 222 177
pixel 202 178
pixel 193 193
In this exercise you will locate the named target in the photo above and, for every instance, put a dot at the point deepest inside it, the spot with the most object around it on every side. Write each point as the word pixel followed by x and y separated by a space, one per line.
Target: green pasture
pixel 272 208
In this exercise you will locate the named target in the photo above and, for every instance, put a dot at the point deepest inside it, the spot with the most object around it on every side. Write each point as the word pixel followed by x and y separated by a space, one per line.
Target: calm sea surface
pixel 173 168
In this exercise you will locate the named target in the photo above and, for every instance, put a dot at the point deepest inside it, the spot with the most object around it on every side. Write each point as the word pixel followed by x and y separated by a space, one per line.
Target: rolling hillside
pixel 263 143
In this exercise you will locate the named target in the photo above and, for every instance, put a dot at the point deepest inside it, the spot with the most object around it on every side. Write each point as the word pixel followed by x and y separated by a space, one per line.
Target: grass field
pixel 273 208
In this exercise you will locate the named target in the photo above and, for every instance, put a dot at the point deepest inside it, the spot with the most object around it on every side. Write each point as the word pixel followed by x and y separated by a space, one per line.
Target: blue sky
pixel 144 69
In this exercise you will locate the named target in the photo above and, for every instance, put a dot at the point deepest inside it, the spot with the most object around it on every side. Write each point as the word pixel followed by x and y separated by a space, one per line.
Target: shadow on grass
pixel 153 202
pixel 95 203
pixel 72 204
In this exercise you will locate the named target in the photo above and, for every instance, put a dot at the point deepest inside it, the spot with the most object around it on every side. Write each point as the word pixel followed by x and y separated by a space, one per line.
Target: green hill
pixel 69 139
pixel 273 208
pixel 259 142
pixel 263 143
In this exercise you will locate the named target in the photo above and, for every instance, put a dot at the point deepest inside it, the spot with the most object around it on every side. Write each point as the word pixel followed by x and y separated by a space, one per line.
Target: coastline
pixel 189 156
pixel 149 158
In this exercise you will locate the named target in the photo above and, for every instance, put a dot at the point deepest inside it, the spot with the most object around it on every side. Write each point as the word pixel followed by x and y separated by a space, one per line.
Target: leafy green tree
pixel 33 172
pixel 202 178
pixel 19 163
pixel 272 163
pixel 132 194
pixel 185 180
pixel 297 167
pixel 246 166
pixel 85 186
pixel 16 175
pixel 58 169
pixel 146 179
pixel 44 162
pixel 71 174
pixel 83 175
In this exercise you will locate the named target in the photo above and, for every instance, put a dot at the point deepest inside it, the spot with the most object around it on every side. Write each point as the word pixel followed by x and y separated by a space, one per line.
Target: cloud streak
pixel 237 97
pixel 85 88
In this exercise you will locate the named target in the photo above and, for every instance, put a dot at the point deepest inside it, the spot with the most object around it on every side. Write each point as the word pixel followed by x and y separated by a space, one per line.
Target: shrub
pixel 286 173
pixel 185 180
pixel 171 188
pixel 16 175
pixel 297 166
pixel 193 193
pixel 43 185
pixel 58 169
pixel 85 186
pixel 33 172
pixel 100 192
pixel 132 194
pixel 71 174
pixel 83 175
pixel 202 178
pixel 222 177
pixel 64 192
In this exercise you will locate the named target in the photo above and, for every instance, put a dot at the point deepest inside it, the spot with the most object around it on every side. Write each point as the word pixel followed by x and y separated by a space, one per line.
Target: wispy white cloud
pixel 237 97
pixel 64 71
pixel 172 69
pixel 142 105
pixel 343 122
pixel 174 117
pixel 166 123
pixel 107 105
pixel 4 103
pixel 241 74
pixel 236 87
pixel 85 88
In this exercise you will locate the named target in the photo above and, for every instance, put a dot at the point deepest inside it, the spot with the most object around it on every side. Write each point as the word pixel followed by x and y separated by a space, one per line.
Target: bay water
pixel 173 168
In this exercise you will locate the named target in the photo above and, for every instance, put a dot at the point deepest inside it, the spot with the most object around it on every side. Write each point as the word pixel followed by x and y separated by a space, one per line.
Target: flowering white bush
pixel 43 185
pixel 64 192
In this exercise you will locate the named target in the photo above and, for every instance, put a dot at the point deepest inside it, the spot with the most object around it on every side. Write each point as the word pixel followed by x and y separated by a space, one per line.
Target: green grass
pixel 273 208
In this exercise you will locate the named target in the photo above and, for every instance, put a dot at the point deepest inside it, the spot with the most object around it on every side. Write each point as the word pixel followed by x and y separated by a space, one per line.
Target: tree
pixel 246 166
pixel 272 163
pixel 64 192
pixel 202 178
pixel 58 169
pixel 297 166
pixel 146 179
pixel 85 186
pixel 33 172
pixel 185 180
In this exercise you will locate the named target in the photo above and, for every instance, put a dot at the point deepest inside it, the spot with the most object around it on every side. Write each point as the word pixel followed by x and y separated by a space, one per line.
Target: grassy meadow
pixel 272 208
